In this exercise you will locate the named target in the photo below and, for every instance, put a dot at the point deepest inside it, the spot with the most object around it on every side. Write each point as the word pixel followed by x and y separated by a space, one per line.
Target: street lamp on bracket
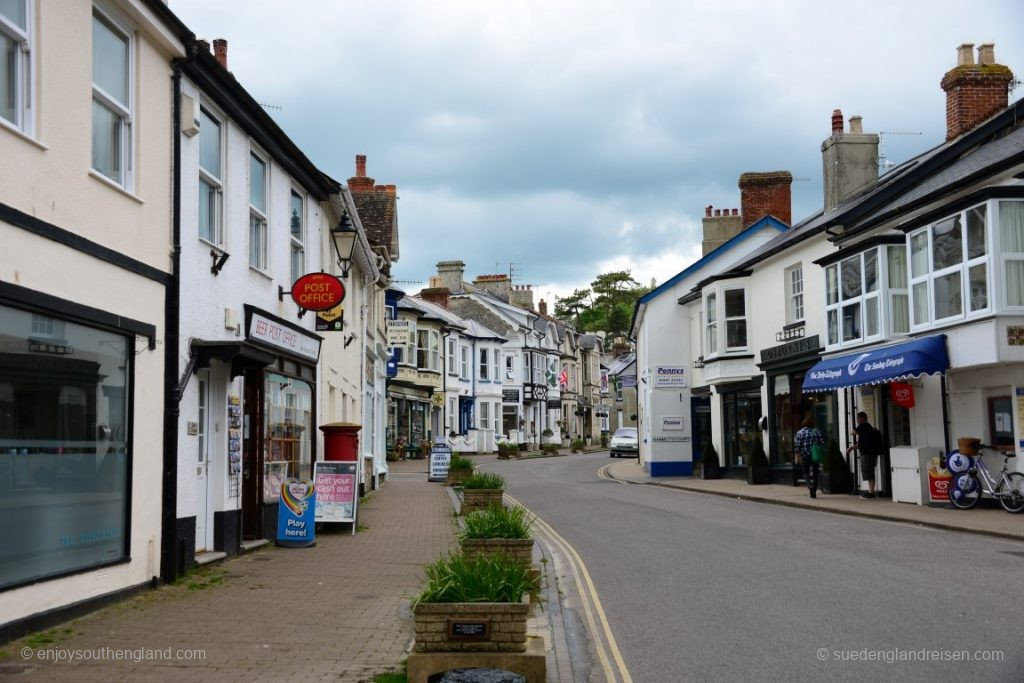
pixel 344 237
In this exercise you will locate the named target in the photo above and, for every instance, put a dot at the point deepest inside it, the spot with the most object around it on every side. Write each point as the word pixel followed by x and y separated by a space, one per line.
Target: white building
pixel 86 219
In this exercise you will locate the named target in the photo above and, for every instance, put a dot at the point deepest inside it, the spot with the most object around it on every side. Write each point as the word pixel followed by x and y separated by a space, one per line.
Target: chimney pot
pixel 391 189
pixel 379 188
pixel 360 165
pixel 718 212
pixel 542 307
pixel 220 51
pixel 735 212
pixel 855 124
pixel 965 54
pixel 707 211
pixel 987 53
pixel 837 122
pixel 203 45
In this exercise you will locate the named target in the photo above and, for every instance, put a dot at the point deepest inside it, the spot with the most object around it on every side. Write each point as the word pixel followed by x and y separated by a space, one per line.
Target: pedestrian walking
pixel 806 438
pixel 870 443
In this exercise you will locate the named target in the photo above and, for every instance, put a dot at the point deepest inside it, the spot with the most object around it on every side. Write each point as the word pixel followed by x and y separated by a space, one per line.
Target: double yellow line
pixel 604 642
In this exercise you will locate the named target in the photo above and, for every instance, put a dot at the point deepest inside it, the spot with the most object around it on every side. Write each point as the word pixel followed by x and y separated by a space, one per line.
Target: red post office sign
pixel 318 291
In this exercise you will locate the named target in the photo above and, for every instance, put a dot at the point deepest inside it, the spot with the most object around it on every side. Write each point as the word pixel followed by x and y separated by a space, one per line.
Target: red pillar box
pixel 341 441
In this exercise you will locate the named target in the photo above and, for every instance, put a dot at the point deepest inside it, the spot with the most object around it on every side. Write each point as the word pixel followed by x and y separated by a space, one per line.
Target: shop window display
pixel 64 446
pixel 288 430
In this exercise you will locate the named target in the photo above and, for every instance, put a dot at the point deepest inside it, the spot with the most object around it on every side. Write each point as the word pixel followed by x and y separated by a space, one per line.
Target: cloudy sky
pixel 572 137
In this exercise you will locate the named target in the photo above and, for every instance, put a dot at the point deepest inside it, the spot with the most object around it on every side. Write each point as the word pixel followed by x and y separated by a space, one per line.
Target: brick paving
pixel 338 611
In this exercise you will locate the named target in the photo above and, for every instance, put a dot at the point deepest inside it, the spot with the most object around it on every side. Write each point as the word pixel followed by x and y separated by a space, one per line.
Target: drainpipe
pixel 170 553
pixel 945 417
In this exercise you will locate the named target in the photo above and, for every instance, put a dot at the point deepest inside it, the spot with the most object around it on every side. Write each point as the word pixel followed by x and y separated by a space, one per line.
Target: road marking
pixel 591 603
pixel 603 473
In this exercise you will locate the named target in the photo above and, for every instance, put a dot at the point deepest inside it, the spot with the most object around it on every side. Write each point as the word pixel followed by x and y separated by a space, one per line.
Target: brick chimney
pixel 451 274
pixel 849 160
pixel 974 92
pixel 542 307
pixel 764 194
pixel 439 296
pixel 499 285
pixel 522 296
pixel 360 182
pixel 220 51
pixel 720 225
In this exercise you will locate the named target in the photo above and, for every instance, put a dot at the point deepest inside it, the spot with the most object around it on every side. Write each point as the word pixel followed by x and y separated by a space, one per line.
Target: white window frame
pixel 1005 257
pixel 483 368
pixel 711 324
pixel 259 217
pixel 464 361
pixel 24 70
pixel 435 350
pixel 794 294
pixel 453 415
pixel 453 368
pixel 121 109
pixel 495 365
pixel 510 367
pixel 928 278
pixel 727 319
pixel 496 416
pixel 217 183
pixel 862 300
pixel 297 244
pixel 485 417
pixel 538 369
pixel 890 291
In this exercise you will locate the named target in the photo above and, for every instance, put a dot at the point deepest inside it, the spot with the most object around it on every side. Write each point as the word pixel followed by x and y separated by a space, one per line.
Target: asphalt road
pixel 699 587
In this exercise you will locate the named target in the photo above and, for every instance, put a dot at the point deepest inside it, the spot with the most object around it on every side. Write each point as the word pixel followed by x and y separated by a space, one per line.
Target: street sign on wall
pixel 670 377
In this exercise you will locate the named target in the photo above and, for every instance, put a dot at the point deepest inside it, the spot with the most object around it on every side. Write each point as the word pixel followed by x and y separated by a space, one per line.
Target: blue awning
pixel 925 356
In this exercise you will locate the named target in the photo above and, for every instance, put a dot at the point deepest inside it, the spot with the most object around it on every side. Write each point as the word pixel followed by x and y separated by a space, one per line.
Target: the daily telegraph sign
pixel 886 364
pixel 670 377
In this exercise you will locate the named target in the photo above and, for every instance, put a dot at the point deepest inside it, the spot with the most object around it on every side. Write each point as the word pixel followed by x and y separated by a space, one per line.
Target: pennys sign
pixel 318 291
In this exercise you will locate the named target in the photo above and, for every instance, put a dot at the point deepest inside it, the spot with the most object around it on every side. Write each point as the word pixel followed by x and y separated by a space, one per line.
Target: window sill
pixel 114 186
pixel 219 248
pixel 17 132
pixel 263 273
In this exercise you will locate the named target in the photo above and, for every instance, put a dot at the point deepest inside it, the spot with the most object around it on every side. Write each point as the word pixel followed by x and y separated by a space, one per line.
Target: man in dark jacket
pixel 870 444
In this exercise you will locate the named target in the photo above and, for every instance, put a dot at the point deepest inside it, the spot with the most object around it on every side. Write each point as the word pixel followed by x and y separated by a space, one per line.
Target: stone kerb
pixel 507 626
pixel 518 549
pixel 455 477
pixel 480 499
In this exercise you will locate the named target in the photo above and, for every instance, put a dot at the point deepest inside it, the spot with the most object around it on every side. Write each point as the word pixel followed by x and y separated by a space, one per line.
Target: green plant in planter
pixel 498 522
pixel 550 449
pixel 758 469
pixel 547 432
pixel 710 467
pixel 483 480
pixel 835 476
pixel 578 445
pixel 604 441
pixel 459 463
pixel 457 578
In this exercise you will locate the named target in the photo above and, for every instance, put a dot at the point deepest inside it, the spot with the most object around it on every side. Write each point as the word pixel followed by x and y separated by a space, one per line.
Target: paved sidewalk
pixel 993 522
pixel 338 611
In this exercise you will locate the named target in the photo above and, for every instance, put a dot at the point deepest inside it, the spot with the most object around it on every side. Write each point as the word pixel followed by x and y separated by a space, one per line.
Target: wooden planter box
pixel 759 475
pixel 471 626
pixel 480 499
pixel 836 482
pixel 710 471
pixel 520 550
pixel 455 477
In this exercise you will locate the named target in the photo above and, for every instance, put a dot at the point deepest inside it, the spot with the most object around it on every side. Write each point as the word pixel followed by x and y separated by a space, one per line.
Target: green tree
pixel 606 307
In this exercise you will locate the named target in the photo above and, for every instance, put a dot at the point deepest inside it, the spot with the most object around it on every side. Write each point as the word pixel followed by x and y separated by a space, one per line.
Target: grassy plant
pixel 483 480
pixel 498 522
pixel 459 463
pixel 457 578
pixel 578 445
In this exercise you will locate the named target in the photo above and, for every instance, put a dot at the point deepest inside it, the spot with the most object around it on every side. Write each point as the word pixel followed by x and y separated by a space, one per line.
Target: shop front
pixel 408 420
pixel 278 417
pixel 785 367
pixel 741 414
pixel 882 382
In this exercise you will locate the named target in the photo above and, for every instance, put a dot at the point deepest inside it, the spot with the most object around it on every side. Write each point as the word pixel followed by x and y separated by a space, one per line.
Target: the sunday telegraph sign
pixel 273 333
pixel 670 377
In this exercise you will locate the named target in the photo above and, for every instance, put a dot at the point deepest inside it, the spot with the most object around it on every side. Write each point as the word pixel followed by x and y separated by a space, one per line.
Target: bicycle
pixel 967 488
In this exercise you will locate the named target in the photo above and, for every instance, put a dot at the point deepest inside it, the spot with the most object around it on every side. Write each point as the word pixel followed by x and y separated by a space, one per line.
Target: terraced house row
pixel 157 381
pixel 902 297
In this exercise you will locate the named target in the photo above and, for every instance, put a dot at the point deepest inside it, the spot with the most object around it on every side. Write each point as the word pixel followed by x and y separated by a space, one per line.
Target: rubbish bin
pixel 341 441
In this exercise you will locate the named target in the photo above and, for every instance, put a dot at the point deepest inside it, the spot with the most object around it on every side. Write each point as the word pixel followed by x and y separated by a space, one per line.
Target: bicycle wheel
pixel 965 491
pixel 1012 498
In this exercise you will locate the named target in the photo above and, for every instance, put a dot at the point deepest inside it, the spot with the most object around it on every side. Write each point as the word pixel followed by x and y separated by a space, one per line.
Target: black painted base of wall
pixel 227 531
pixel 59 615
pixel 270 521
pixel 185 540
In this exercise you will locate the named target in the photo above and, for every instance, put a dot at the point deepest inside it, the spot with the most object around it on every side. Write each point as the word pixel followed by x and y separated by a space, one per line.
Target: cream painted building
pixel 86 221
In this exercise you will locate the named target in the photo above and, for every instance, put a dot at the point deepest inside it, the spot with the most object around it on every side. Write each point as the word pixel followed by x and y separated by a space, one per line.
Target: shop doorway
pixel 252 427
pixel 204 515
pixel 700 418
pixel 741 411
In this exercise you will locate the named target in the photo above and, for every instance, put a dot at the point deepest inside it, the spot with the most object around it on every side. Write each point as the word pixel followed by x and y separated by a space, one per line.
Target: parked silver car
pixel 624 442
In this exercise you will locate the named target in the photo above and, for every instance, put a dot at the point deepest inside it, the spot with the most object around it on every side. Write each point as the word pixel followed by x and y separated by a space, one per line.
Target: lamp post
pixel 344 237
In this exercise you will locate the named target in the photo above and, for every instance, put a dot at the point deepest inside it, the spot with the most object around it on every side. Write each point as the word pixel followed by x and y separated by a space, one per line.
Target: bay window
pixel 711 325
pixel 428 356
pixel 484 373
pixel 495 361
pixel 853 297
pixel 725 310
pixel 1011 237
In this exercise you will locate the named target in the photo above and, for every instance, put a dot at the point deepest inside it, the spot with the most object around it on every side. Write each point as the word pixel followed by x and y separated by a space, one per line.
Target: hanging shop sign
pixel 318 291
pixel 629 381
pixel 331 320
pixel 400 331
pixel 440 458
pixel 336 489
pixel 296 513
pixel 670 377
pixel 902 394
